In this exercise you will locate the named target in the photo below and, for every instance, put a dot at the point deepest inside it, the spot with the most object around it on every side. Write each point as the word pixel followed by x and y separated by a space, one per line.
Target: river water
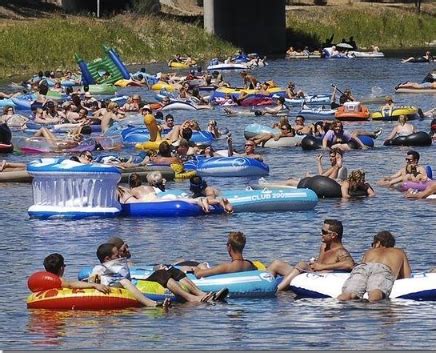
pixel 275 323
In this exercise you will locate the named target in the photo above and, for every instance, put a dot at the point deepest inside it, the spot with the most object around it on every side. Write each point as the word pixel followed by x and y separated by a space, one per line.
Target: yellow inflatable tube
pixel 155 137
pixel 162 85
pixel 396 112
pixel 180 173
pixel 178 65
pixel 231 90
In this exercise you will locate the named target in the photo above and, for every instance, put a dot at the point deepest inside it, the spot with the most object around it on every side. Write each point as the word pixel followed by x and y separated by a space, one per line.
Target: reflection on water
pixel 271 323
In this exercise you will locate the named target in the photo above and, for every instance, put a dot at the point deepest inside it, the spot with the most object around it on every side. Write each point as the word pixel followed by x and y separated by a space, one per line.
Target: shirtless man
pixel 235 245
pixel 411 172
pixel 250 81
pixel 380 267
pixel 301 129
pixel 332 256
pixel 249 150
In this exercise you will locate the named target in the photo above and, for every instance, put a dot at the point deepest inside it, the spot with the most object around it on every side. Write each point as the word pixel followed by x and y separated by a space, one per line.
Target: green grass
pixel 46 44
pixel 370 25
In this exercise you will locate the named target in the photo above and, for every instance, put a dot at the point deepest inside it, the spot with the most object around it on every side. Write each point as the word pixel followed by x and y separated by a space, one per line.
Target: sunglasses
pixel 409 159
pixel 325 232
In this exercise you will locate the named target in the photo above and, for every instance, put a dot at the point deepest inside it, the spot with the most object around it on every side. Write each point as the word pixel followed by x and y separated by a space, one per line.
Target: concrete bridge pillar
pixel 254 25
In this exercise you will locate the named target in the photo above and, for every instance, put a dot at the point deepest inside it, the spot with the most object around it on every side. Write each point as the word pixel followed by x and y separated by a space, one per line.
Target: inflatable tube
pixel 420 138
pixel 19 176
pixel 6 148
pixel 178 105
pixel 420 186
pixel 256 284
pixel 317 114
pixel 421 287
pixel 236 92
pixel 181 65
pixel 315 99
pixel 252 130
pixel 41 281
pixel 5 136
pixel 255 101
pixel 166 208
pixel 155 137
pixel 63 188
pixel 309 143
pixel 324 187
pixel 162 85
pixel 228 167
pixel 367 54
pixel 366 140
pixel 102 89
pixel 416 90
pixel 82 299
pixel 285 142
pixel 352 111
pixel 5 102
pixel 387 115
pixel 41 145
pixel 271 200
pixel 138 135
pixel 222 66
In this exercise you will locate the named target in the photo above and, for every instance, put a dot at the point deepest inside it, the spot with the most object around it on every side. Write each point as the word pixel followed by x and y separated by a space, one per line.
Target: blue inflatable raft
pixel 227 167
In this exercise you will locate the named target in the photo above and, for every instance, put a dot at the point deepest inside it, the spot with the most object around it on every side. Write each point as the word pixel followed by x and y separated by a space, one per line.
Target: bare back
pixel 395 259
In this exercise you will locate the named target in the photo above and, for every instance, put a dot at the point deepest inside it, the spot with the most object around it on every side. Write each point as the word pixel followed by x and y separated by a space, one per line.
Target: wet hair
pixel 104 250
pixel 335 226
pixel 237 241
pixel 165 149
pixel 197 185
pixel 53 263
pixel 155 179
pixel 43 89
pixel 135 180
pixel 159 115
pixel 414 154
pixel 385 238
pixel 282 100
pixel 47 73
pixel 187 133
pixel 337 151
pixel 116 241
pixel 86 130
pixel 75 159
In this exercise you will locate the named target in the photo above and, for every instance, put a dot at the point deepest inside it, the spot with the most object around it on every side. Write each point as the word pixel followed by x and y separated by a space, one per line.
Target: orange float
pixel 352 111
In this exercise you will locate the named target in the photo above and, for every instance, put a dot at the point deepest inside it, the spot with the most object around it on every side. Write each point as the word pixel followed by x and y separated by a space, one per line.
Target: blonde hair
pixel 154 178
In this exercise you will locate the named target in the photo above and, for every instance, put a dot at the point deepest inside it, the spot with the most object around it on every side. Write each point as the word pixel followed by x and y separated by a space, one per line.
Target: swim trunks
pixel 368 277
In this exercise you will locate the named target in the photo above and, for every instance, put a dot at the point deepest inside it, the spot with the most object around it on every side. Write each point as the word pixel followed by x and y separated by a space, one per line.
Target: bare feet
pixel 2 166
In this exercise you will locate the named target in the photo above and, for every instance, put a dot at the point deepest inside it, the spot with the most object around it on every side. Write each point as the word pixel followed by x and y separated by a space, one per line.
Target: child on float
pixel 113 271
pixel 208 195
pixel 55 264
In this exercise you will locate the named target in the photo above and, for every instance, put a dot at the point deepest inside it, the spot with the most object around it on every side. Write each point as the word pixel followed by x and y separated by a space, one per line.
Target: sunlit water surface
pixel 275 323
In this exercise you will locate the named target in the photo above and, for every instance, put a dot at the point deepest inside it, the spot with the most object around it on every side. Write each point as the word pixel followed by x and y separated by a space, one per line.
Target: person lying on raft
pixel 411 172
pixel 301 129
pixel 336 137
pixel 332 256
pixel 6 166
pixel 249 149
pixel 235 246
pixel 429 190
pixel 279 108
pixel 426 58
pixel 74 137
pixel 336 171
pixel 55 264
pixel 168 277
pixel 380 267
pixel 286 130
pixel 208 195
pixel 408 84
pixel 403 128
pixel 137 192
pixel 345 97
pixel 114 272
pixel 355 185
pixel 292 93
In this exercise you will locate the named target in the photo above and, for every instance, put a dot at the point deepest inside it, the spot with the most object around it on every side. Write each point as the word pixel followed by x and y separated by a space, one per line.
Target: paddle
pixel 368 100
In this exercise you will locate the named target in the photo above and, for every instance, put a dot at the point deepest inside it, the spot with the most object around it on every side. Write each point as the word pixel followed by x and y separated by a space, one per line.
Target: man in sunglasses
pixel 381 266
pixel 412 171
pixel 332 256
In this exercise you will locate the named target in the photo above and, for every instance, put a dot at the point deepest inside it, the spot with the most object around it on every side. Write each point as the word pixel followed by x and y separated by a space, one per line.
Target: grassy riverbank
pixel 45 44
pixel 370 24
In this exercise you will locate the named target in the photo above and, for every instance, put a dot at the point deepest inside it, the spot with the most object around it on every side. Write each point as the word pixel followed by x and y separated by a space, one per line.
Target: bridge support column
pixel 254 25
